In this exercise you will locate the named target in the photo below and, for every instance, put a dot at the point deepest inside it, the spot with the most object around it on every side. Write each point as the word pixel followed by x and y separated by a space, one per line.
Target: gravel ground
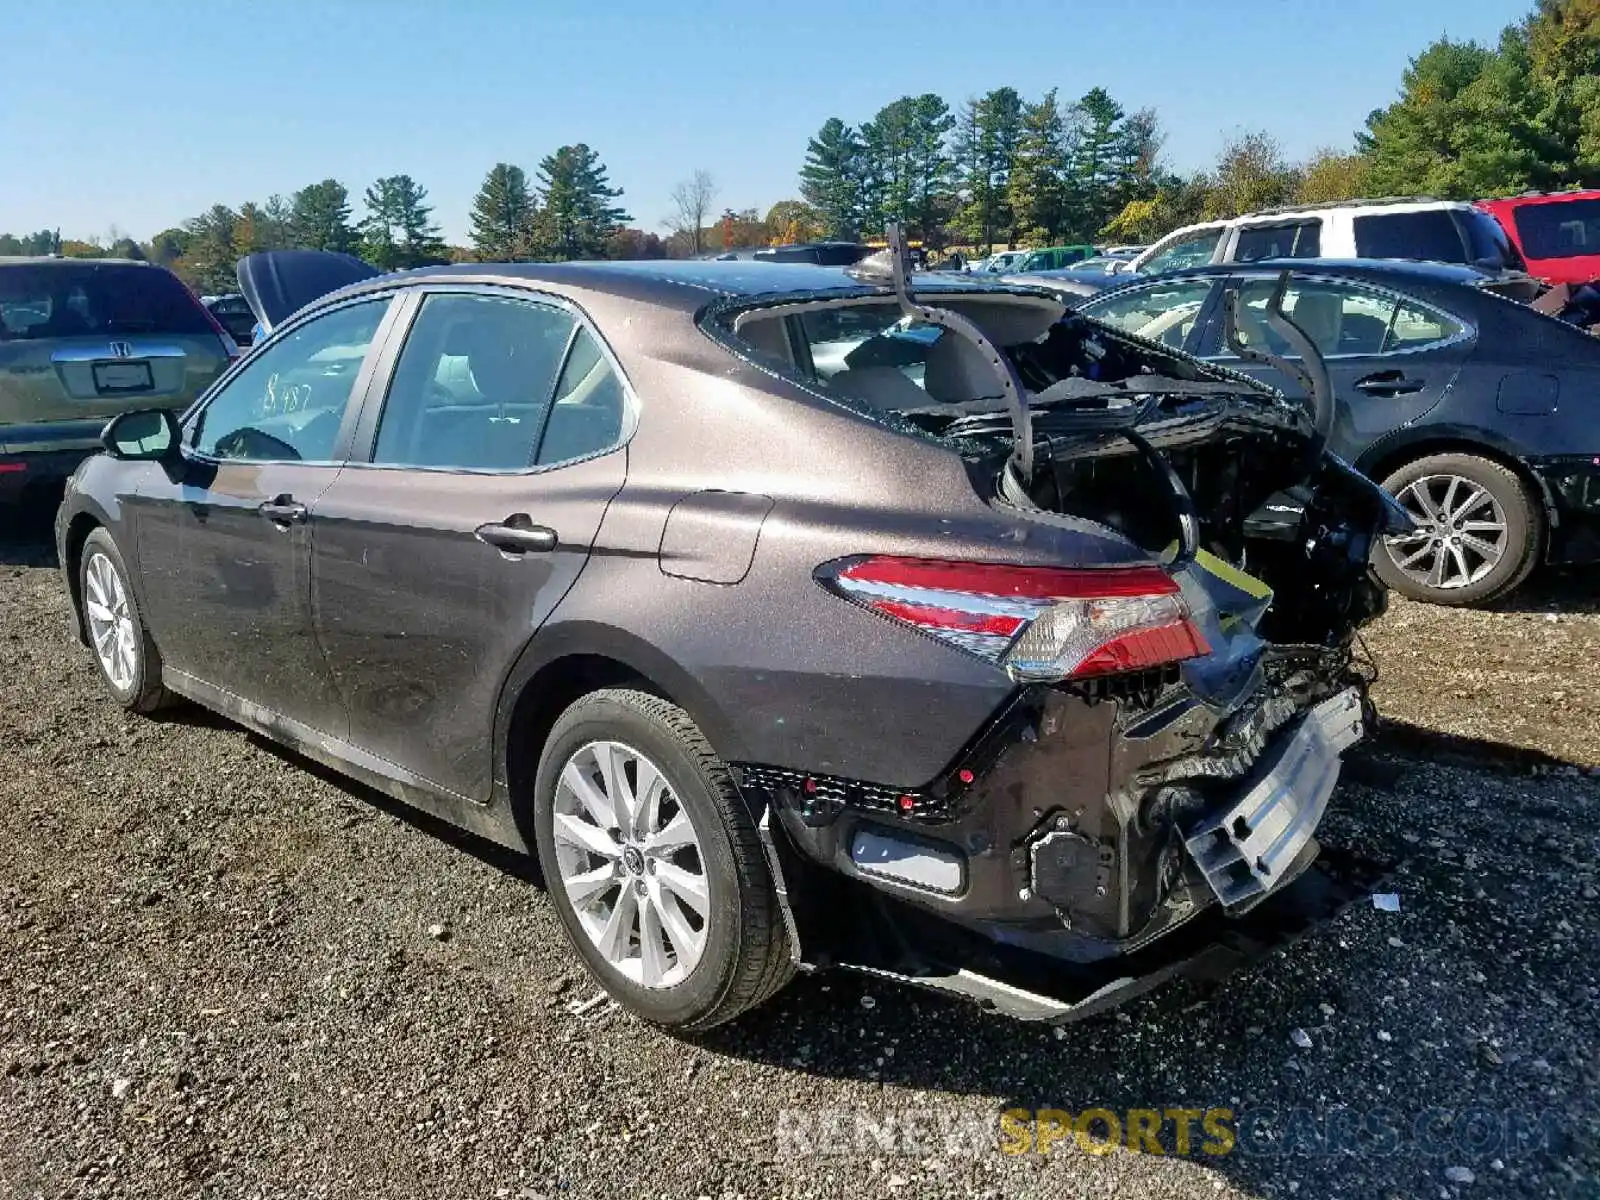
pixel 225 973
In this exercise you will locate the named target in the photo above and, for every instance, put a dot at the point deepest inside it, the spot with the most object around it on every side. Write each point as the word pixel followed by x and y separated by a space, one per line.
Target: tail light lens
pixel 1037 623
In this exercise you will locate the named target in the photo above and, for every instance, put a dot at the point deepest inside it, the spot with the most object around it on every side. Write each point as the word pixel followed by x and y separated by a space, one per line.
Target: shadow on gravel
pixel 1556 590
pixel 27 535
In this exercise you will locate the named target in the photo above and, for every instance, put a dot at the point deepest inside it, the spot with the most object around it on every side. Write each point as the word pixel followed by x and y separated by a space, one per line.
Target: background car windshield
pixel 82 299
pixel 1191 252
pixel 1562 230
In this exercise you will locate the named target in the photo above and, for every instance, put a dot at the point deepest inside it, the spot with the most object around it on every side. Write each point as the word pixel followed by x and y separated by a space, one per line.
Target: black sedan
pixel 1478 413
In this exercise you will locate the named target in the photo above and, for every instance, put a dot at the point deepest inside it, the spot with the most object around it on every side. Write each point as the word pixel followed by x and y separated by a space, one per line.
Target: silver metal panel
pixel 1246 849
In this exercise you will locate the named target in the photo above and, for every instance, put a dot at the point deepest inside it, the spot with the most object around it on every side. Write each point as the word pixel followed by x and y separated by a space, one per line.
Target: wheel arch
pixel 1383 458
pixel 82 524
pixel 565 662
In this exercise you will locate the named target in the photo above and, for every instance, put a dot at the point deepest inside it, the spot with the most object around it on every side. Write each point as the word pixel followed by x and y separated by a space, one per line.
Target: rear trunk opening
pixel 1096 818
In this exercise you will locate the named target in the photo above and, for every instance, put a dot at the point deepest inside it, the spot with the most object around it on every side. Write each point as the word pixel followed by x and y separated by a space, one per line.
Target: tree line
pixel 1469 121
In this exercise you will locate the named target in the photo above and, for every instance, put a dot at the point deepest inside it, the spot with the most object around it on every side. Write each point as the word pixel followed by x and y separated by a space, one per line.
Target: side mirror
pixel 145 435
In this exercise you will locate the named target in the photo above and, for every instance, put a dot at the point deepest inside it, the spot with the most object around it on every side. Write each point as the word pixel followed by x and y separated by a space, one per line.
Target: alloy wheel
pixel 629 858
pixel 1461 532
pixel 116 642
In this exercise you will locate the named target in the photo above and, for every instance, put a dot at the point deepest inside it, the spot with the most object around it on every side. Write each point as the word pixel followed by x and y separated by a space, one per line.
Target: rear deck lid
pixel 278 283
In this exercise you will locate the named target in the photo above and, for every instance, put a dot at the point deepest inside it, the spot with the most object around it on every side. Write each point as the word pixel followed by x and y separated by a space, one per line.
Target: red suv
pixel 1558 233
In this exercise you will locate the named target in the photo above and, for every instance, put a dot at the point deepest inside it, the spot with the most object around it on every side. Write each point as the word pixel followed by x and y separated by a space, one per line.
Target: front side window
pixel 1195 250
pixel 287 403
pixel 1565 229
pixel 1341 318
pixel 1165 313
pixel 1430 236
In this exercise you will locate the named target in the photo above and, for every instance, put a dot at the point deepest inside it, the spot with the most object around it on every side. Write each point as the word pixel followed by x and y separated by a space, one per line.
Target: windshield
pixel 1564 229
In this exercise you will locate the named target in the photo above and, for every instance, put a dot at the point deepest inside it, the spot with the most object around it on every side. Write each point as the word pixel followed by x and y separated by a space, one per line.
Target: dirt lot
pixel 223 973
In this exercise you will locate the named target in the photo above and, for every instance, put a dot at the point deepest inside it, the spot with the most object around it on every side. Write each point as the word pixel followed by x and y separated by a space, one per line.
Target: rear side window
pixel 1559 230
pixel 588 411
pixel 1430 236
pixel 1300 240
pixel 1341 318
pixel 68 299
pixel 473 384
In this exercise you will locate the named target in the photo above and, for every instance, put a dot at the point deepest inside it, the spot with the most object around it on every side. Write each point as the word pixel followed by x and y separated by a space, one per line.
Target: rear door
pixel 1390 357
pixel 83 341
pixel 491 449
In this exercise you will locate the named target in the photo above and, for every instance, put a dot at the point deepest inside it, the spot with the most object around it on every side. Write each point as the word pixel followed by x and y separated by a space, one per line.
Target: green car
pixel 1053 258
pixel 82 340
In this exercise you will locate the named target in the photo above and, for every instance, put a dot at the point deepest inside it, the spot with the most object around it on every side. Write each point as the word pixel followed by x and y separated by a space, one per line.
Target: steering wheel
pixel 252 443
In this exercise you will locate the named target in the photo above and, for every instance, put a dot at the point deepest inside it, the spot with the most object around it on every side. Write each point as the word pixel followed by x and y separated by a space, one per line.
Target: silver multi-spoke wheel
pixel 629 859
pixel 1461 533
pixel 111 627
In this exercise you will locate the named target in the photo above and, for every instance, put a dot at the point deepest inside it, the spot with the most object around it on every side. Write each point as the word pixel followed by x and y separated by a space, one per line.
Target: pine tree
pixel 502 215
pixel 1036 185
pixel 319 217
pixel 399 232
pixel 831 178
pixel 985 143
pixel 576 217
pixel 212 255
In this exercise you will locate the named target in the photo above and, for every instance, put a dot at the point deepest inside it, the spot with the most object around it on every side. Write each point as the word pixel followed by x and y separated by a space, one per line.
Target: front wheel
pixel 127 656
pixel 1479 530
pixel 654 863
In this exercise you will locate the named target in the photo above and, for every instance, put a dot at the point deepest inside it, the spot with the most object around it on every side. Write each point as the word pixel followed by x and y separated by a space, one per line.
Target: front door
pixel 228 534
pixel 1390 358
pixel 496 449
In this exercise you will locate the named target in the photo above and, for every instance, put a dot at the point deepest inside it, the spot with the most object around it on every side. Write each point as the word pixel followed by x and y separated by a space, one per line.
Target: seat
pixel 882 389
pixel 1320 314
pixel 956 370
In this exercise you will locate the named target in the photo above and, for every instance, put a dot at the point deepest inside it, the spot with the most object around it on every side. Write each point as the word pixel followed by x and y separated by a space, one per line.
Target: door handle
pixel 517 534
pixel 1388 383
pixel 283 510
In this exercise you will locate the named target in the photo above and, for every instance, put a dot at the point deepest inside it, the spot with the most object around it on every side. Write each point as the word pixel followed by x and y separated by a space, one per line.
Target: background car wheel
pixel 654 863
pixel 128 659
pixel 1478 536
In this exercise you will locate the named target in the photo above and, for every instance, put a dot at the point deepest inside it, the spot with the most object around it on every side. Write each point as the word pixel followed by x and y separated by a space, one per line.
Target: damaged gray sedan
pixel 791 617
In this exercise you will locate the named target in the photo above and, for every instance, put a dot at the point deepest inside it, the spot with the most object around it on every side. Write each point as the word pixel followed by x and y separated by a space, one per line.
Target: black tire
pixel 746 958
pixel 1524 532
pixel 143 692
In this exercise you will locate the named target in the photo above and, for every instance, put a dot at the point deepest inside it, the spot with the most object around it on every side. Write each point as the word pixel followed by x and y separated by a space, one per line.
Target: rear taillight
pixel 1038 623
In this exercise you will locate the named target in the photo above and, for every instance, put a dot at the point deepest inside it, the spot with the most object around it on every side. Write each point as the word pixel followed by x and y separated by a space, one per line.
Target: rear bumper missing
pixel 1060 855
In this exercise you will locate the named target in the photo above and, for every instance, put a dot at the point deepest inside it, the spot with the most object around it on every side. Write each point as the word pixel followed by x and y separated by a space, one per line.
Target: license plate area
pixel 1248 848
pixel 116 378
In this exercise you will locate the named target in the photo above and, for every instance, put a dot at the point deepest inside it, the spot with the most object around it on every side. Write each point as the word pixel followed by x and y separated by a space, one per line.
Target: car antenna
pixel 891 266
pixel 1311 372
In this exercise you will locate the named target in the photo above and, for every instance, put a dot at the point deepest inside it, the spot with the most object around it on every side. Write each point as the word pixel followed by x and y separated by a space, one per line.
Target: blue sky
pixel 138 113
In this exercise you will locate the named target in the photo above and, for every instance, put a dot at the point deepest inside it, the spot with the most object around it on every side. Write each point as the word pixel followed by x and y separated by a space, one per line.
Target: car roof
pixel 1509 202
pixel 42 260
pixel 676 283
pixel 1393 269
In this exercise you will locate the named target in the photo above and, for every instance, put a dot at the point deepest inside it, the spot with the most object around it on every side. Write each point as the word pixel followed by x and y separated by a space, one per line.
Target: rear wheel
pixel 1478 532
pixel 654 863
pixel 128 659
